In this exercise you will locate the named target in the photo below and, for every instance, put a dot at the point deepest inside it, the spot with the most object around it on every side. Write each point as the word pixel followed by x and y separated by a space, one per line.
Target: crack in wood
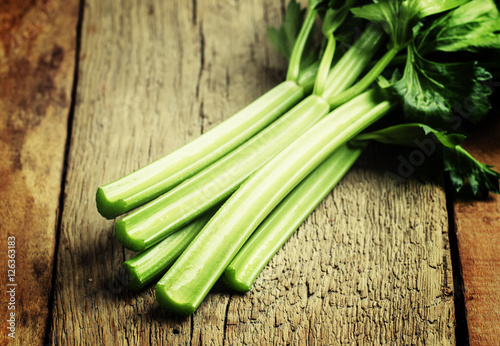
pixel 461 327
pixel 195 10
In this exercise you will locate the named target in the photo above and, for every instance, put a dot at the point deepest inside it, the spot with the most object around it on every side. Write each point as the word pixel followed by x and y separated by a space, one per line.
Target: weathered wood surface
pixel 371 265
pixel 37 57
pixel 477 226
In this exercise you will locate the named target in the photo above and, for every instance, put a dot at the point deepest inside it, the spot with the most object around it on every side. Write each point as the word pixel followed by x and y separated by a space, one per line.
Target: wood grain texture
pixel 477 226
pixel 37 58
pixel 370 266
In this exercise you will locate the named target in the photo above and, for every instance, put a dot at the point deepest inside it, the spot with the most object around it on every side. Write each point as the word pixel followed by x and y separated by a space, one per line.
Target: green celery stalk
pixel 298 48
pixel 149 224
pixel 274 231
pixel 366 81
pixel 192 276
pixel 149 264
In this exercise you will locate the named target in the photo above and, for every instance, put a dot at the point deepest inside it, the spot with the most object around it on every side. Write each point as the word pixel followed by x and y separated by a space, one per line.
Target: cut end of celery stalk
pixel 135 283
pixel 170 304
pixel 107 208
pixel 126 240
pixel 233 282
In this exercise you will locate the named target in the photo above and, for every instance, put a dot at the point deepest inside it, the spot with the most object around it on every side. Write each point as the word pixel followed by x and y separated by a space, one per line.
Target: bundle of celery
pixel 222 205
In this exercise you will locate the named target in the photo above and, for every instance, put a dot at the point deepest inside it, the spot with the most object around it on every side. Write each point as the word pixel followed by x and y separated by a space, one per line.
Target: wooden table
pixel 93 90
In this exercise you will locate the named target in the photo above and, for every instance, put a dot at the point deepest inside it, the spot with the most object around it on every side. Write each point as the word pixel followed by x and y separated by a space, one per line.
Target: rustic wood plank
pixel 370 266
pixel 37 59
pixel 477 224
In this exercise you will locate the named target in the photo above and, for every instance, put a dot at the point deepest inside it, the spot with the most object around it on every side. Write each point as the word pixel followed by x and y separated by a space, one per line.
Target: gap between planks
pixel 48 332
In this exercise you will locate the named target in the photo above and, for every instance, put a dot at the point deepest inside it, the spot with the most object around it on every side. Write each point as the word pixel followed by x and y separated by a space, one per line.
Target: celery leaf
pixel 430 7
pixel 470 27
pixel 460 165
pixel 433 92
pixel 397 18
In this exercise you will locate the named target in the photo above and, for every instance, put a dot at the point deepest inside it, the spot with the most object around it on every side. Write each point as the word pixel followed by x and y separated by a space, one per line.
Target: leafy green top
pixel 433 91
pixel 437 92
